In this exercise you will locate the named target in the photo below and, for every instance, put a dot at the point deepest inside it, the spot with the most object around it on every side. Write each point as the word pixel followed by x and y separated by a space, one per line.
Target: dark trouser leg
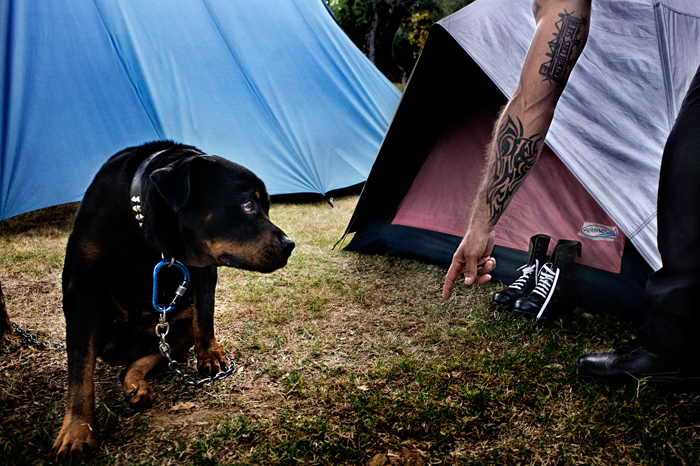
pixel 672 294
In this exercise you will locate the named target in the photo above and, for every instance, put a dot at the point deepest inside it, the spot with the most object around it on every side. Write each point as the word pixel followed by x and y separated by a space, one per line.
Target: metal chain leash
pixel 163 327
pixel 30 339
pixel 162 330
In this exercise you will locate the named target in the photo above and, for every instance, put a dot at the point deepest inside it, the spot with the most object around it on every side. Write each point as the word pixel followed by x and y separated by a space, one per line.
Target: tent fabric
pixel 622 98
pixel 596 180
pixel 435 200
pixel 275 86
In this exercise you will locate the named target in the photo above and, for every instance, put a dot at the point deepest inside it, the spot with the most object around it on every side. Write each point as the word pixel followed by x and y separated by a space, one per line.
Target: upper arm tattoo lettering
pixel 567 41
pixel 516 155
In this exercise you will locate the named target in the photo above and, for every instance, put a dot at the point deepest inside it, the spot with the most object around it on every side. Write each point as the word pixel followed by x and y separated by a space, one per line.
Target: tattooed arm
pixel 560 35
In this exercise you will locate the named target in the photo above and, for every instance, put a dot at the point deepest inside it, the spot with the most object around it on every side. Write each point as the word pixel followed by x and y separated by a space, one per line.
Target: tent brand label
pixel 597 231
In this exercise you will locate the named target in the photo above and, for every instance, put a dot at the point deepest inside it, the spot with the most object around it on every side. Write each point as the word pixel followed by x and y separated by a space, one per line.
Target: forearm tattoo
pixel 564 48
pixel 515 156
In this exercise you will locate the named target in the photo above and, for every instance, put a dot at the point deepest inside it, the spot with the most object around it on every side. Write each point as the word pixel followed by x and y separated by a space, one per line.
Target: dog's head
pixel 222 213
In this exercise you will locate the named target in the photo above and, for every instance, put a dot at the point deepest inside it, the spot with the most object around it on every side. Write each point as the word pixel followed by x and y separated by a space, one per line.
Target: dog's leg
pixel 137 391
pixel 82 307
pixel 78 430
pixel 210 357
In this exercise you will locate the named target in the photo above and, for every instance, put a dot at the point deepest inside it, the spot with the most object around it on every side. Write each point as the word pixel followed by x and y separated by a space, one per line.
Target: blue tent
pixel 274 85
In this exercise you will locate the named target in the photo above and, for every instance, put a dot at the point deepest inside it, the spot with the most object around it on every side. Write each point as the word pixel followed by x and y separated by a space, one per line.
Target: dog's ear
pixel 173 183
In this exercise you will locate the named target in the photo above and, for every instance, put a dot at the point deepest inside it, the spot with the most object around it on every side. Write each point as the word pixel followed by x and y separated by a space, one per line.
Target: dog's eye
pixel 247 206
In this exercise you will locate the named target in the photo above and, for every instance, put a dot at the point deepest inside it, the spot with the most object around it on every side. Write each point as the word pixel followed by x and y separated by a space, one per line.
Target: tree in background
pixel 391 33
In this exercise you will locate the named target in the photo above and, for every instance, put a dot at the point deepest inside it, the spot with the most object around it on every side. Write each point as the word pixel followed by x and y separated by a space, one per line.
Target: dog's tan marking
pixel 217 248
pixel 210 357
pixel 256 254
pixel 77 431
pixel 137 391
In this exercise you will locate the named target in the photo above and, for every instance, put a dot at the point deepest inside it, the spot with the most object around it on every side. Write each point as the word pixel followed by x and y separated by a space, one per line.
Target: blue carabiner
pixel 180 289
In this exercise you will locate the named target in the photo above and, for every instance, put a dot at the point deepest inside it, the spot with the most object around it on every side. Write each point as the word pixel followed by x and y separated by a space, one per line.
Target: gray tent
pixel 597 179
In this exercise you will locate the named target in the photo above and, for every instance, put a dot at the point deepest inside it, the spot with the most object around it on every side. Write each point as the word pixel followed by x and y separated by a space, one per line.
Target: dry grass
pixel 343 359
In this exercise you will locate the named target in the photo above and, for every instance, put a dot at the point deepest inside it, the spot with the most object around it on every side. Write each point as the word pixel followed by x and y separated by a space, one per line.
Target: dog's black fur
pixel 201 210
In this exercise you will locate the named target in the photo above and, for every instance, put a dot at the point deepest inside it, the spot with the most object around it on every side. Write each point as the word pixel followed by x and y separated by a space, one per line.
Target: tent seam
pixel 301 159
pixel 660 4
pixel 373 108
pixel 268 111
pixel 663 55
pixel 126 71
pixel 369 103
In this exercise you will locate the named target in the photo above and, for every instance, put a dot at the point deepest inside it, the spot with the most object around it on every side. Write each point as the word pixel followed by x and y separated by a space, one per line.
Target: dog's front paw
pixel 75 438
pixel 139 394
pixel 212 361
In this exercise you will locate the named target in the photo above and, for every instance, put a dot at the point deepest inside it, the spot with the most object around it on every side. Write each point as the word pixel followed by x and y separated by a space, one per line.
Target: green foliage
pixel 392 33
pixel 418 28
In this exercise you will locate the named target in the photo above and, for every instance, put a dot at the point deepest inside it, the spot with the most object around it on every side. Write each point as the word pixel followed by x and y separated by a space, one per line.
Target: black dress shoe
pixel 636 365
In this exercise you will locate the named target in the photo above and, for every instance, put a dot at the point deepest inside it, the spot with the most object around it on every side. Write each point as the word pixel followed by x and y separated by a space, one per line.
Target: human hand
pixel 473 259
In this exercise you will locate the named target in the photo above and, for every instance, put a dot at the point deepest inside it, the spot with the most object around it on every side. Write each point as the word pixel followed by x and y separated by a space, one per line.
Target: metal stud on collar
pixel 136 207
pixel 135 190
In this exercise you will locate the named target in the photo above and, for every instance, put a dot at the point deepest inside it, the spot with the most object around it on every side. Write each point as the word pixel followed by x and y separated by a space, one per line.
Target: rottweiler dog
pixel 159 200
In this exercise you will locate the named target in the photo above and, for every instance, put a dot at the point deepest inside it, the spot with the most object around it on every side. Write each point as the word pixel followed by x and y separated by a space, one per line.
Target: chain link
pixel 162 330
pixel 30 339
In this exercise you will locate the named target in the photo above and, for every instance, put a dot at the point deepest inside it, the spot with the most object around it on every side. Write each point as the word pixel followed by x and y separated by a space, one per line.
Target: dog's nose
pixel 287 245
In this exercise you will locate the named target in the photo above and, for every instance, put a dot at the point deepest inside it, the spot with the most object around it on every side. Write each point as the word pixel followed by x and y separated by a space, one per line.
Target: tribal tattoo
pixel 516 155
pixel 566 41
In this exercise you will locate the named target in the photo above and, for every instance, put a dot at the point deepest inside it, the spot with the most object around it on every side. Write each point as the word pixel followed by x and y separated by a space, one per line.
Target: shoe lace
pixel 527 270
pixel 544 280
